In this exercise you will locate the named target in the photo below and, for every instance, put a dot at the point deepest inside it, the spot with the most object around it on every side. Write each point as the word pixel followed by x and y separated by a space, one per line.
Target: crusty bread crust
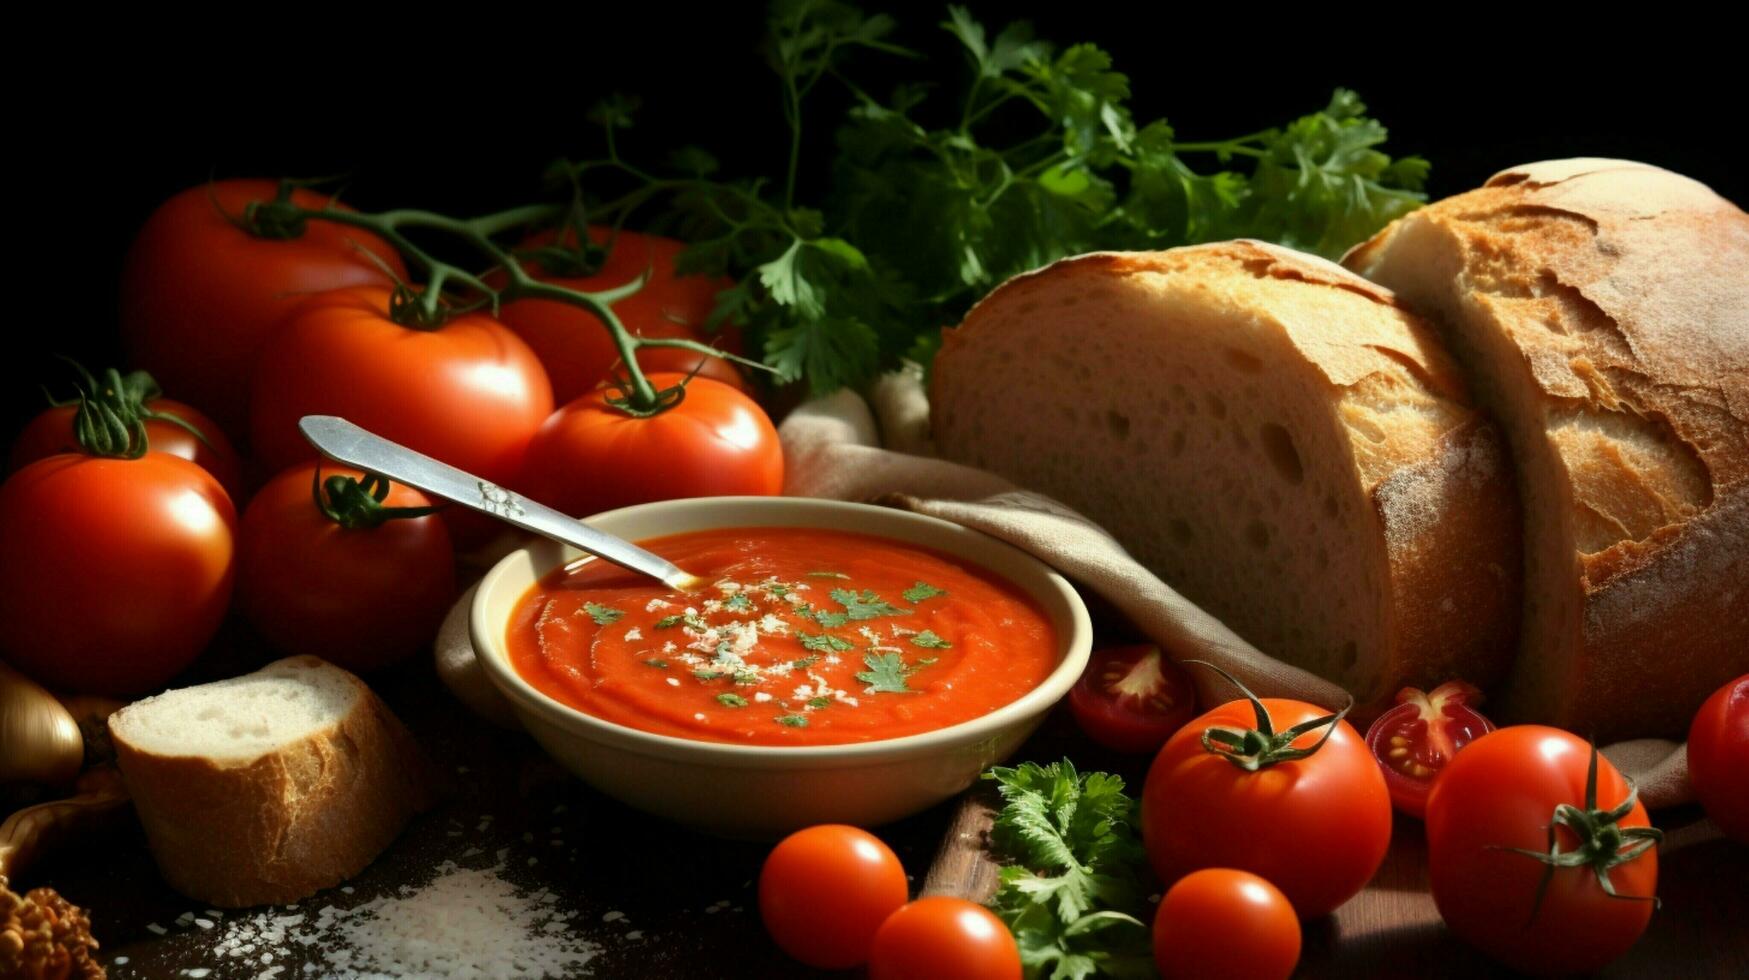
pixel 280 827
pixel 1625 289
pixel 1440 487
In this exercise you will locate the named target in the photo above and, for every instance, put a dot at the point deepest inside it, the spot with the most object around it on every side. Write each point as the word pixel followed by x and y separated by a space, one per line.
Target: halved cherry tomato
pixel 825 890
pixel 1219 923
pixel 1131 699
pixel 1718 757
pixel 943 938
pixel 1416 739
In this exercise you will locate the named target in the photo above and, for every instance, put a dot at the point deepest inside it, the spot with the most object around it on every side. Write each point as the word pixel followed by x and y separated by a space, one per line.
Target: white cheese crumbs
pixel 728 587
pixel 761 697
pixel 773 625
pixel 634 634
pixel 673 682
pixel 698 716
pixel 833 658
pixel 902 631
pixel 655 604
pixel 669 647
pixel 713 605
pixel 803 692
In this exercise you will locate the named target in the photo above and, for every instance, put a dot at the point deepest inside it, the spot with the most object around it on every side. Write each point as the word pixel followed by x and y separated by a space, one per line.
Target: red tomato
pixel 590 457
pixel 51 434
pixel 115 572
pixel 467 393
pixel 1221 924
pixel 942 938
pixel 1718 757
pixel 1502 792
pixel 363 597
pixel 576 348
pixel 1131 699
pixel 1416 739
pixel 200 296
pixel 1317 827
pixel 825 890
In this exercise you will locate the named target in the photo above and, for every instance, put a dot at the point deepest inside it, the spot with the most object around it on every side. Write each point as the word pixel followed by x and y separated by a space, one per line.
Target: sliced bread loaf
pixel 268 787
pixel 1601 308
pixel 1269 433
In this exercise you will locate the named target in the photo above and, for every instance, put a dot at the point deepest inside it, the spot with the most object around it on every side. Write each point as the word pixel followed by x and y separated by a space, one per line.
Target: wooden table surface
pixel 686 904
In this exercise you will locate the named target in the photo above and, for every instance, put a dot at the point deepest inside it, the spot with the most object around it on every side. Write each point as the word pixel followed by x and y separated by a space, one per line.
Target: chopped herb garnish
pixel 826 619
pixel 823 641
pixel 669 621
pixel 868 605
pixel 745 677
pixel 926 661
pixel 603 615
pixel 827 575
pixel 694 622
pixel 777 589
pixel 805 662
pixel 707 675
pixel 792 721
pixel 725 653
pixel 819 702
pixel 928 640
pixel 738 602
pixel 657 663
pixel 886 673
pixel 732 700
pixel 922 591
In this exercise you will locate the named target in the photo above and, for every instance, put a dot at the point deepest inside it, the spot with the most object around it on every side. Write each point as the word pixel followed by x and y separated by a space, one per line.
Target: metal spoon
pixel 344 442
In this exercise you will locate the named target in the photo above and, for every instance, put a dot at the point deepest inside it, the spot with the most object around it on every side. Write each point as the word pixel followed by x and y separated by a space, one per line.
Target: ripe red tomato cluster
pixel 124 524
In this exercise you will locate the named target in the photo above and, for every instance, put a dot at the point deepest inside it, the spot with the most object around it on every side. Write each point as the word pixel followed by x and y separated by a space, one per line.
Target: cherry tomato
pixel 115 572
pixel 468 393
pixel 1317 827
pixel 1417 738
pixel 1502 792
pixel 943 938
pixel 590 457
pixel 51 434
pixel 574 346
pixel 200 296
pixel 1218 923
pixel 1718 757
pixel 363 597
pixel 825 890
pixel 1131 699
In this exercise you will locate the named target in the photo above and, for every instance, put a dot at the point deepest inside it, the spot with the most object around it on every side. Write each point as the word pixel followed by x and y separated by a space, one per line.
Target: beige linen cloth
pixel 841 447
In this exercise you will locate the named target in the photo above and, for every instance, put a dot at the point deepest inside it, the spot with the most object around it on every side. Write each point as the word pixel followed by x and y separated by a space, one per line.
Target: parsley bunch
pixel 1074 896
pixel 932 200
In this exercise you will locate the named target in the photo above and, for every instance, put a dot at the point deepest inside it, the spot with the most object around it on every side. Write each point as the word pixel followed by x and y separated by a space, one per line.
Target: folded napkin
pixel 840 447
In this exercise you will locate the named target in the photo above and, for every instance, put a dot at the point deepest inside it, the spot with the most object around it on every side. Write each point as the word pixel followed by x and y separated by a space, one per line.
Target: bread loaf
pixel 268 787
pixel 1272 435
pixel 1601 308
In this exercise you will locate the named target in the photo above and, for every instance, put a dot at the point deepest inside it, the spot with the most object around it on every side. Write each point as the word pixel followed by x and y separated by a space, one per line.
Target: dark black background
pixel 464 113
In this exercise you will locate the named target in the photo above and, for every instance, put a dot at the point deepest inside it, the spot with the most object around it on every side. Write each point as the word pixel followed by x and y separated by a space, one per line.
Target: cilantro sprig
pixel 947 186
pixel 1074 893
pixel 887 672
pixel 603 615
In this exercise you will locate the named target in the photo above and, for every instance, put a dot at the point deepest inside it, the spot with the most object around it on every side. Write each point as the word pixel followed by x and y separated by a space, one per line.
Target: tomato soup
pixel 805 637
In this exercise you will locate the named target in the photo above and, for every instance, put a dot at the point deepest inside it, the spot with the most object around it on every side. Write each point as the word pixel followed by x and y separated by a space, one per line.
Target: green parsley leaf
pixel 603 615
pixel 928 640
pixel 819 702
pixel 744 678
pixel 738 602
pixel 792 721
pixel 823 641
pixel 886 673
pixel 806 662
pixel 668 621
pixel 922 591
pixel 657 663
pixel 732 700
pixel 868 605
pixel 707 675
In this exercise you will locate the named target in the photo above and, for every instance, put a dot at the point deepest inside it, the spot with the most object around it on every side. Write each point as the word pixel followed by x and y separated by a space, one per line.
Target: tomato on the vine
pixel 1283 789
pixel 1416 739
pixel 825 890
pixel 591 456
pixel 1131 699
pixel 1218 923
pixel 576 348
pixel 115 572
pixel 200 296
pixel 468 392
pixel 1529 832
pixel 356 571
pixel 1718 757
pixel 170 427
pixel 943 938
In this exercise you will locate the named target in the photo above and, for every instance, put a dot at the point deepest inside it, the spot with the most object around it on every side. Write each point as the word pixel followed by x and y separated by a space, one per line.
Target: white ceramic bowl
pixel 766 791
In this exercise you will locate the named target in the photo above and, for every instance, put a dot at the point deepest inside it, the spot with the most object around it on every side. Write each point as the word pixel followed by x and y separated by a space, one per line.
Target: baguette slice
pixel 1602 308
pixel 1271 435
pixel 269 787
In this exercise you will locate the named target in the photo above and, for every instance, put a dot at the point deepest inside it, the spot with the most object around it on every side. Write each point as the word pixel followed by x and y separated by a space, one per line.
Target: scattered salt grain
pixel 204 923
pixel 635 934
pixel 119 961
pixel 613 916
pixel 156 929
pixel 347 889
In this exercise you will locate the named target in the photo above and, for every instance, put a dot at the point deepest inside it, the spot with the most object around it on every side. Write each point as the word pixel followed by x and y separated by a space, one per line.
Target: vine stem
pixel 641 395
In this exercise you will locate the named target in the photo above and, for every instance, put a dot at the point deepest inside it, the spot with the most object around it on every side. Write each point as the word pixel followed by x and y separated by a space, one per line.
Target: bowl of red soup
pixel 845 663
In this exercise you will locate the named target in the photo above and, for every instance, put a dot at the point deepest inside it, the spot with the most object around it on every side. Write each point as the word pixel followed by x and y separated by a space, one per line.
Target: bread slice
pixel 1271 435
pixel 1602 308
pixel 268 787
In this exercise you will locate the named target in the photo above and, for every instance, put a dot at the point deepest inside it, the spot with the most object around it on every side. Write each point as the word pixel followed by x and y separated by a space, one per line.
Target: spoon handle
pixel 344 442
